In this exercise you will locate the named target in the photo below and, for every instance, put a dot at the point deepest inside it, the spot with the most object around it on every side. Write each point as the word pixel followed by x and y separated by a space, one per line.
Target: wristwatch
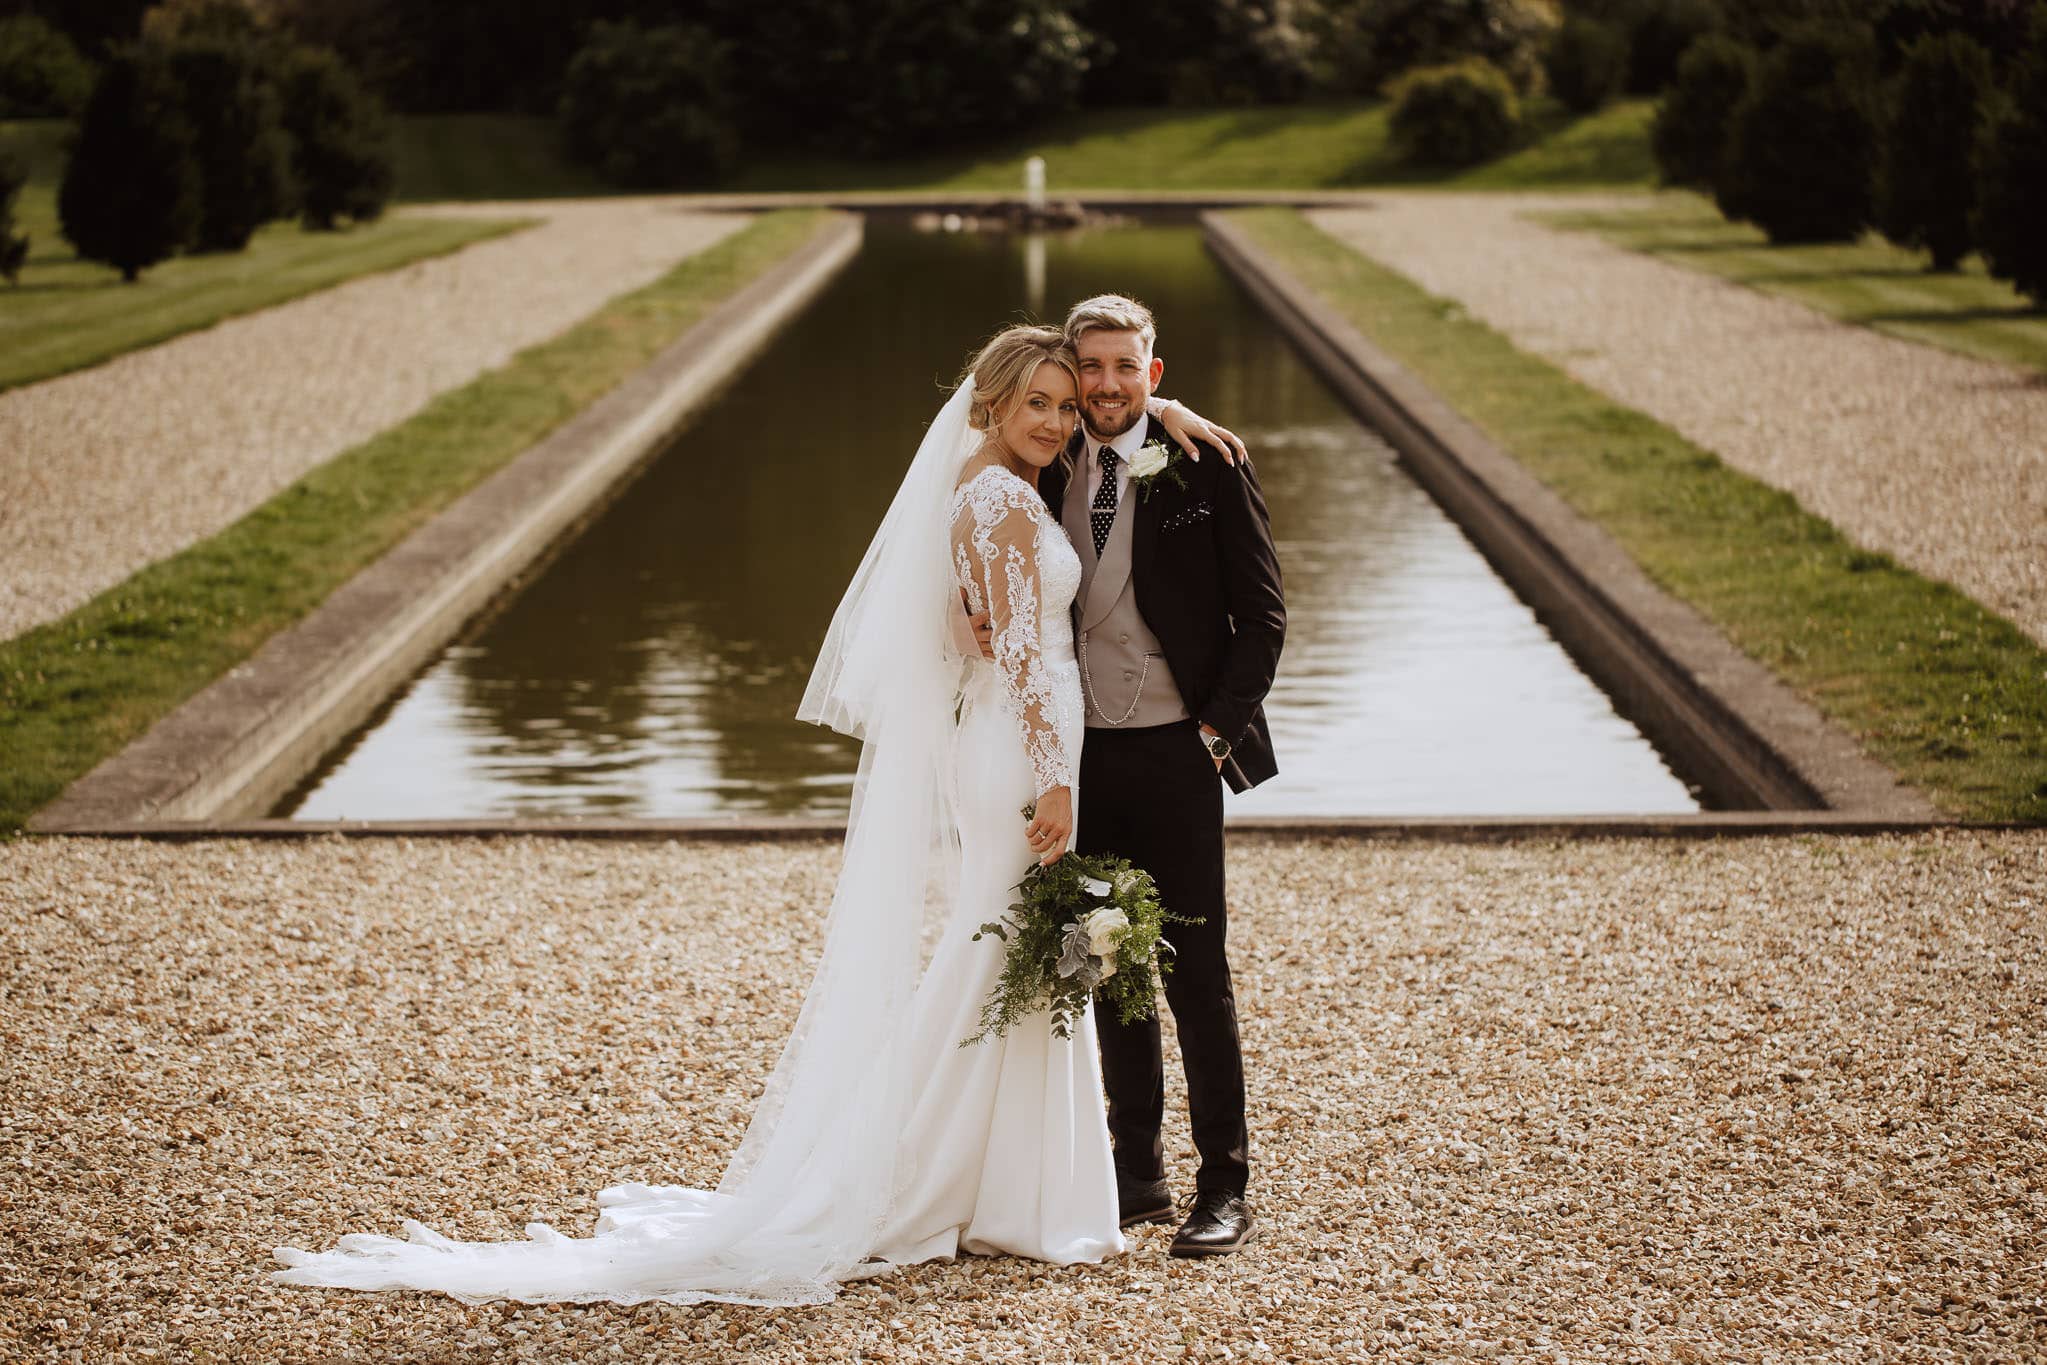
pixel 1218 747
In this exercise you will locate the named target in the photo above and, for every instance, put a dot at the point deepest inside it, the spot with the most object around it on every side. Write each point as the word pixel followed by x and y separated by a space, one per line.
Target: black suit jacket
pixel 1207 583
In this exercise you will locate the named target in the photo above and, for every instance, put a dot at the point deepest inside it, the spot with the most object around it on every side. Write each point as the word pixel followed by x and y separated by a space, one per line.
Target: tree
pixel 1689 137
pixel 894 75
pixel 1197 52
pixel 1587 62
pixel 13 245
pixel 98 28
pixel 1367 43
pixel 340 140
pixel 238 139
pixel 42 74
pixel 173 21
pixel 2011 204
pixel 649 107
pixel 1662 32
pixel 1927 184
pixel 1801 153
pixel 130 194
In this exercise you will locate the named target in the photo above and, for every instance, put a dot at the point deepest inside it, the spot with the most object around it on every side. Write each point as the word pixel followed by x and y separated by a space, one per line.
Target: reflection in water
pixel 654 668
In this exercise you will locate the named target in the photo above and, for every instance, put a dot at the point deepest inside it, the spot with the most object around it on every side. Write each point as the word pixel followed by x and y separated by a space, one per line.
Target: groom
pixel 1178 626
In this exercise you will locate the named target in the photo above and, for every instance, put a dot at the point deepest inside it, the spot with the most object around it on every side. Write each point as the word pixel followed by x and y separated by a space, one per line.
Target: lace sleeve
pixel 995 557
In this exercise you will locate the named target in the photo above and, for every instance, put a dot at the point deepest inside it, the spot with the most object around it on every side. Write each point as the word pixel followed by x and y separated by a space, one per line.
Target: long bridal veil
pixel 813 1181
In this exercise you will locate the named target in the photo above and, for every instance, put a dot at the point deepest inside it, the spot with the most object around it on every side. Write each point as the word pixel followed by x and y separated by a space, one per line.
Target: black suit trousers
pixel 1152 795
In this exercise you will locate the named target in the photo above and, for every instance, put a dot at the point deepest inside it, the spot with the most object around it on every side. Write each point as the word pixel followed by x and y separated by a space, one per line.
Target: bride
pixel 880 1141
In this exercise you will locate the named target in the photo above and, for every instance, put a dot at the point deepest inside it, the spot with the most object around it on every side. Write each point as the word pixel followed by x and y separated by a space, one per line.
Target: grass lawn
pixel 1946 692
pixel 1305 147
pixel 67 314
pixel 487 156
pixel 1313 146
pixel 1872 282
pixel 78 689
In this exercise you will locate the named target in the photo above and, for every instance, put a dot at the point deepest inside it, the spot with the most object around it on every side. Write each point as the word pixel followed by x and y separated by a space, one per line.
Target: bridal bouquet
pixel 1081 927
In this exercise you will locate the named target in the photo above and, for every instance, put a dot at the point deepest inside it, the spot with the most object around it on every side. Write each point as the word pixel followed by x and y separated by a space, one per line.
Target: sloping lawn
pixel 1291 147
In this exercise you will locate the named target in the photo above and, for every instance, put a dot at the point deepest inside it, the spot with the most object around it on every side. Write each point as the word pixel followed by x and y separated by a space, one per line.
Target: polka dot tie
pixel 1102 512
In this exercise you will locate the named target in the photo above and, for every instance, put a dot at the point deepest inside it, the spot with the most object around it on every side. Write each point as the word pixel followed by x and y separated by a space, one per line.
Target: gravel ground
pixel 1935 458
pixel 112 468
pixel 1740 1101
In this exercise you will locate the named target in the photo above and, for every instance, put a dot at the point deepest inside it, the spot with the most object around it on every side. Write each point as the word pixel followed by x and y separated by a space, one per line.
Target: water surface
pixel 654 666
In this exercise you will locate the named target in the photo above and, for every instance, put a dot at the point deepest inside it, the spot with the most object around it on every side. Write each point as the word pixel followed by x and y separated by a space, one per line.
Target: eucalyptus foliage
pixel 1040 930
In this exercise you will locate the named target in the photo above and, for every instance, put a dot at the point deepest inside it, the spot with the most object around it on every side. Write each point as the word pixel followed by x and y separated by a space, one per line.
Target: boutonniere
pixel 1153 461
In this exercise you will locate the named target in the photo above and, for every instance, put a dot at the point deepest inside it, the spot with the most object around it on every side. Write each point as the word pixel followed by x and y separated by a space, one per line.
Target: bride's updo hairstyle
pixel 1002 371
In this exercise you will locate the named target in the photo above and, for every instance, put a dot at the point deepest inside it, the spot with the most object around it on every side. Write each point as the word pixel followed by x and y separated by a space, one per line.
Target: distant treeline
pixel 1814 119
pixel 863 76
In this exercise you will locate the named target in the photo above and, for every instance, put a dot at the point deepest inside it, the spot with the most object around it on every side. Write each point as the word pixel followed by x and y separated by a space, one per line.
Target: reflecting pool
pixel 652 667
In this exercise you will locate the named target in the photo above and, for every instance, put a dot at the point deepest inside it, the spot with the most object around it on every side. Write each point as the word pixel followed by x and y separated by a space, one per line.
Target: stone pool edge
pixel 238 744
pixel 1722 716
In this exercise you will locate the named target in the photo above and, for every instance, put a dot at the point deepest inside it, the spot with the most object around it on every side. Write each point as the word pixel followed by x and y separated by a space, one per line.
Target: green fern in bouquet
pixel 1085 926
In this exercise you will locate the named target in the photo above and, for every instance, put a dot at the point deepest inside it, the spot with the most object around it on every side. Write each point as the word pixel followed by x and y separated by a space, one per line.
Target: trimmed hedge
pixel 1454 115
pixel 1926 190
pixel 1802 147
pixel 130 194
pixel 2011 174
pixel 1689 137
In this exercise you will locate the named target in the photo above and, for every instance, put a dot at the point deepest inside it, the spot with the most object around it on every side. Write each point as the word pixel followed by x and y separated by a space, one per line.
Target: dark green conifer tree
pixel 130 194
pixel 1927 186
pixel 340 140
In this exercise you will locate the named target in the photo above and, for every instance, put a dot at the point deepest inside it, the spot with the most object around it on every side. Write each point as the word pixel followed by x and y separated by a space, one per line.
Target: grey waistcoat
pixel 1123 670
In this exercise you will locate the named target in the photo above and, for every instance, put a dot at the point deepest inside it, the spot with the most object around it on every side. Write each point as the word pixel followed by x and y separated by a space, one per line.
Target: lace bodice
pixel 1015 563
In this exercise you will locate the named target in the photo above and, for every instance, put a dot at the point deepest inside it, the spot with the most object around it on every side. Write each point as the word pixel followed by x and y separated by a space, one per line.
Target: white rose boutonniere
pixel 1153 461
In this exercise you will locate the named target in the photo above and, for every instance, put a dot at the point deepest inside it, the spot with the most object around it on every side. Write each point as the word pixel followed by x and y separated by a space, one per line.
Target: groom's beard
pixel 1106 427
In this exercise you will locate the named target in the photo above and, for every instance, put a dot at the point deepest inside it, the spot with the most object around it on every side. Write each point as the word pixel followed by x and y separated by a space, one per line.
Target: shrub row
pixel 194 139
pixel 1812 141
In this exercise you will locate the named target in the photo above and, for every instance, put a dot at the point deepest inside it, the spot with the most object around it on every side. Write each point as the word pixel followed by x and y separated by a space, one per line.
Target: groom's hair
pixel 1110 313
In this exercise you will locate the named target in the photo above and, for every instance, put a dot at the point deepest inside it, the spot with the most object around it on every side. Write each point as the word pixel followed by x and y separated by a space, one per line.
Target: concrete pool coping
pixel 214 765
pixel 793 829
pixel 235 747
pixel 1723 717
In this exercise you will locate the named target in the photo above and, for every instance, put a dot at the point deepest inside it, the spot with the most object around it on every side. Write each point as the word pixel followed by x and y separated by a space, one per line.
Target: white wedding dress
pixel 879 1140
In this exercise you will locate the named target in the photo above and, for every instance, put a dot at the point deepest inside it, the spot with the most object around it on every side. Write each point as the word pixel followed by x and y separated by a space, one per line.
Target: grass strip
pixel 1949 694
pixel 1870 282
pixel 1287 147
pixel 67 314
pixel 80 688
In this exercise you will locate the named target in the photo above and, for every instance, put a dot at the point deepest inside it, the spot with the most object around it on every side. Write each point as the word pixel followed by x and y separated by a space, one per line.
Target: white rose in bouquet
pixel 1105 927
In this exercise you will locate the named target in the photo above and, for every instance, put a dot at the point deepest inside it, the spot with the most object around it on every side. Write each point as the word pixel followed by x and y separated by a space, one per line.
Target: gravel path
pixel 112 468
pixel 1935 458
pixel 1610 1100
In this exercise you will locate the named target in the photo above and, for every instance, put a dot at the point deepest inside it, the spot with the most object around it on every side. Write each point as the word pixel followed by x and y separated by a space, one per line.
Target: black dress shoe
pixel 1219 1225
pixel 1143 1201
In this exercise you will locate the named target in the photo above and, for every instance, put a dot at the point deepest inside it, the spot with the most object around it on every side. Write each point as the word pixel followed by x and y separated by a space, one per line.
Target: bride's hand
pixel 1051 825
pixel 1187 426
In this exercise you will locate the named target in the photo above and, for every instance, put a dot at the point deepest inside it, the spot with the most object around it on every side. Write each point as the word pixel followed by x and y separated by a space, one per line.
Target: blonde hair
pixel 1003 369
pixel 1110 313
